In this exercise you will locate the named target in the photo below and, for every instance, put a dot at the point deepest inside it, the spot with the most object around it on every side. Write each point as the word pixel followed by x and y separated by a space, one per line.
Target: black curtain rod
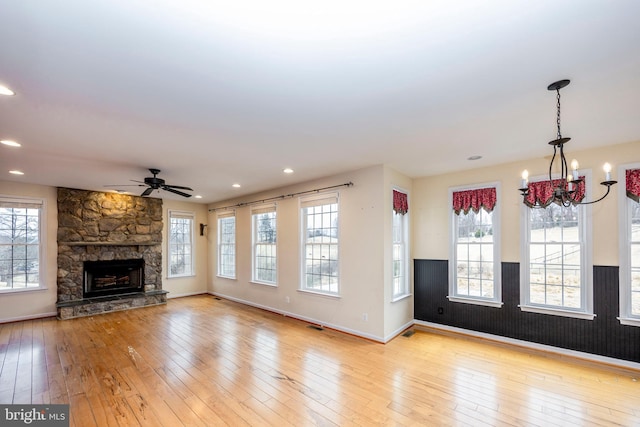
pixel 284 196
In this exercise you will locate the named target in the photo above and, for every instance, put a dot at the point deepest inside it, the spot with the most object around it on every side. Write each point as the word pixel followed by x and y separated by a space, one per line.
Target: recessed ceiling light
pixel 287 170
pixel 197 196
pixel 236 185
pixel 6 91
pixel 10 143
pixel 474 158
pixel 16 172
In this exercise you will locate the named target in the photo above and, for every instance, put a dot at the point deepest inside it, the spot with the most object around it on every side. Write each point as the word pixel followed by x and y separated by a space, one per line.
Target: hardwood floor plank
pixel 201 361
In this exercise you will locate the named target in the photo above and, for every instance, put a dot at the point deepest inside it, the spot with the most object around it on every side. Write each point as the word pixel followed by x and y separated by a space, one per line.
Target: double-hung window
pixel 630 246
pixel 227 245
pixel 263 219
pixel 400 251
pixel 21 244
pixel 320 237
pixel 180 243
pixel 474 261
pixel 555 275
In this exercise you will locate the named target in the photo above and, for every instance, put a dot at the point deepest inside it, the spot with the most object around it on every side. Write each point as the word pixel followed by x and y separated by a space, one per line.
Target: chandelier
pixel 568 189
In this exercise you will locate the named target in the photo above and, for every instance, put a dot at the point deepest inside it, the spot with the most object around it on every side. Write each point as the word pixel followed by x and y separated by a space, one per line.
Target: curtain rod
pixel 283 196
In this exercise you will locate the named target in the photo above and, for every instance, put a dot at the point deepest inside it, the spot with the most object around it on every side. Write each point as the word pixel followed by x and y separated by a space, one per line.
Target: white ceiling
pixel 214 94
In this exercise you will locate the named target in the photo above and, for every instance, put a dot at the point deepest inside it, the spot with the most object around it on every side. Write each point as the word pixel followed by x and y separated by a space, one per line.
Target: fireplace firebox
pixel 113 277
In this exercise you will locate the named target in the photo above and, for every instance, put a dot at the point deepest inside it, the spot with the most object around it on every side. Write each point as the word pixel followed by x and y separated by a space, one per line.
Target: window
pixel 264 244
pixel 400 258
pixel 474 262
pixel 556 268
pixel 227 245
pixel 630 246
pixel 21 244
pixel 320 244
pixel 180 243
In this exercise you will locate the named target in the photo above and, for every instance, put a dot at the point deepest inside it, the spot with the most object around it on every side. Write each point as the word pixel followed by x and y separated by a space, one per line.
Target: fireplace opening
pixel 113 277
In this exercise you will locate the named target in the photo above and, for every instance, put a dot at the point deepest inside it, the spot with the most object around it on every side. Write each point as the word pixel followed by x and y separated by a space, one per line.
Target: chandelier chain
pixel 558 116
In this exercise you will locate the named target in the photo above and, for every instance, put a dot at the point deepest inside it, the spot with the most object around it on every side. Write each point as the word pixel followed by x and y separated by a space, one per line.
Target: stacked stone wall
pixel 97 226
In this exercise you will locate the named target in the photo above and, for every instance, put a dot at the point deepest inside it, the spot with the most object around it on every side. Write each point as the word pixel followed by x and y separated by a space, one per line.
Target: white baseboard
pixel 172 295
pixel 533 346
pixel 29 317
pixel 303 318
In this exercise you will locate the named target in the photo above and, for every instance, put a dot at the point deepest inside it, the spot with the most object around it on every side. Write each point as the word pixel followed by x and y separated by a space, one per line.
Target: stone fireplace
pixel 109 252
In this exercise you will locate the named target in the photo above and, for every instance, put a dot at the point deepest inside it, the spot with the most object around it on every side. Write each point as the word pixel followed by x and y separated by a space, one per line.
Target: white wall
pixel 31 304
pixel 191 285
pixel 363 212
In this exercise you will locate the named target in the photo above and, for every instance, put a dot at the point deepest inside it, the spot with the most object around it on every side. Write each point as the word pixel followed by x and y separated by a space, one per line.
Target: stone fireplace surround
pixel 96 226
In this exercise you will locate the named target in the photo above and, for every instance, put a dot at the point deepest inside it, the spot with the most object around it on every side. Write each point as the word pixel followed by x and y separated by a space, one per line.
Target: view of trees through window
pixel 635 257
pixel 474 254
pixel 265 247
pixel 227 246
pixel 180 245
pixel 321 248
pixel 19 247
pixel 554 257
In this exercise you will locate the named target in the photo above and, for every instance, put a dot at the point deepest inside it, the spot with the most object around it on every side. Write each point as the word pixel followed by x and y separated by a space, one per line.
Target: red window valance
pixel 474 200
pixel 633 184
pixel 400 202
pixel 541 192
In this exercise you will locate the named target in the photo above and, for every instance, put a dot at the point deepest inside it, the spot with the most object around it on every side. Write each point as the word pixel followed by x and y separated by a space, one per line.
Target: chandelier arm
pixel 551 164
pixel 608 184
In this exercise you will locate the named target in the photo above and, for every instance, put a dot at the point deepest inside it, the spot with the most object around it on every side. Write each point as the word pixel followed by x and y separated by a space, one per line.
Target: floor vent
pixel 316 327
pixel 409 333
pixel 216 298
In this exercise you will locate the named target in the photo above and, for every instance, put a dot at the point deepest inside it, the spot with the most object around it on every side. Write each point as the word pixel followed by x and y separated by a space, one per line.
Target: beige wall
pixel 38 303
pixel 431 213
pixel 363 217
pixel 196 284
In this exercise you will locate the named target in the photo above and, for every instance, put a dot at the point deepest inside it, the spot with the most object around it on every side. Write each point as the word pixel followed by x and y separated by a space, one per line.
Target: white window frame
pixel 586 260
pixel 625 240
pixel 453 296
pixel 256 211
pixel 221 216
pixel 190 245
pixel 40 204
pixel 321 199
pixel 403 290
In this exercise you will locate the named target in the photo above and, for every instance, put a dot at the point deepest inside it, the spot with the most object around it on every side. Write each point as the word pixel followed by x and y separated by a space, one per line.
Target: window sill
pixel 320 294
pixel 558 312
pixel 226 277
pixel 400 297
pixel 256 282
pixel 21 290
pixel 181 276
pixel 629 321
pixel 476 301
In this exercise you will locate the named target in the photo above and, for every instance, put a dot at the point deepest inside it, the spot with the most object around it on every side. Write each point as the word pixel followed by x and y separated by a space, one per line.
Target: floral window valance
pixel 474 200
pixel 400 202
pixel 633 184
pixel 541 192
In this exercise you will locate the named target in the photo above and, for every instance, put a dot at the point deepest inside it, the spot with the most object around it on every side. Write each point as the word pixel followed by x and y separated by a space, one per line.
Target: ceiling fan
pixel 155 183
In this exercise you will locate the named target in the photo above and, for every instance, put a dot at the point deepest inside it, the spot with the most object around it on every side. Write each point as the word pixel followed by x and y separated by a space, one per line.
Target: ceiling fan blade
pixel 167 188
pixel 124 185
pixel 147 192
pixel 179 187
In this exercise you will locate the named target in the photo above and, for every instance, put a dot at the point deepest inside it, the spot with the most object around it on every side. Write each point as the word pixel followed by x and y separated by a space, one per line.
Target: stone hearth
pixel 96 226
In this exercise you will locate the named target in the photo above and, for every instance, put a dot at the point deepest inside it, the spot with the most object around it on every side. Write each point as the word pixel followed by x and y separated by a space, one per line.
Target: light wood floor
pixel 202 361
